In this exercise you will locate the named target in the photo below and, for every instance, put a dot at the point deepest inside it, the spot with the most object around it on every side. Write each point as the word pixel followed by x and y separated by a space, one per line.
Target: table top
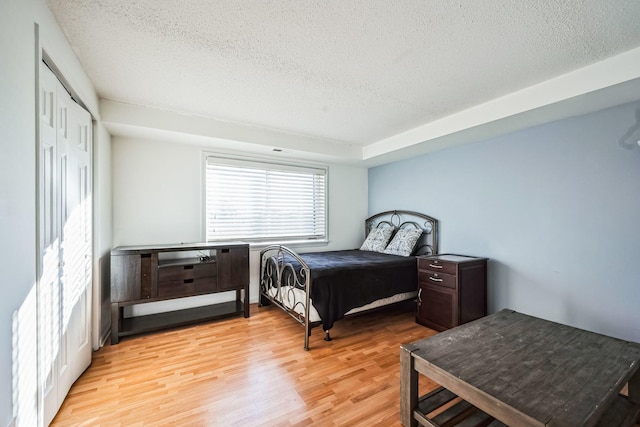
pixel 543 372
pixel 451 257
pixel 198 246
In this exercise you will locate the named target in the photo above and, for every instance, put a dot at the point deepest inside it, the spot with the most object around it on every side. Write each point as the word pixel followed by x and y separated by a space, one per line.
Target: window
pixel 264 201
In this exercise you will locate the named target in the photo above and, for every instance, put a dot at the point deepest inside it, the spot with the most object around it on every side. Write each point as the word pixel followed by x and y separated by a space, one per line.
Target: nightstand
pixel 452 290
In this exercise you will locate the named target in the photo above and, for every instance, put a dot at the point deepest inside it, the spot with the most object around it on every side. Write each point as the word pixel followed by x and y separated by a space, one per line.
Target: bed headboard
pixel 427 244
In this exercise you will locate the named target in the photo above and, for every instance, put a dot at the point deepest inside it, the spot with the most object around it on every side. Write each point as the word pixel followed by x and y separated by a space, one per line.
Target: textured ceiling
pixel 352 72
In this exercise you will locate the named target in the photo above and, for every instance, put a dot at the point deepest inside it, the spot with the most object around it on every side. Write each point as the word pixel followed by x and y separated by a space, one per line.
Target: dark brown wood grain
pixel 438 279
pixel 147 269
pixel 233 268
pixel 452 290
pixel 186 269
pixel 472 291
pixel 438 307
pixel 125 277
pixel 434 400
pixel 529 371
pixel 621 412
pixel 453 415
pixel 171 319
pixel 139 276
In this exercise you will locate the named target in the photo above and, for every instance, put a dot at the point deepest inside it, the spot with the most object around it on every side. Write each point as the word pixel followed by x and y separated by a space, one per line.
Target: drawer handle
pixel 435 266
pixel 188 281
pixel 188 267
pixel 435 279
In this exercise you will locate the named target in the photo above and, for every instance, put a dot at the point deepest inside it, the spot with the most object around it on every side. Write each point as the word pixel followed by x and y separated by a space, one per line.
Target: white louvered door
pixel 64 286
pixel 49 244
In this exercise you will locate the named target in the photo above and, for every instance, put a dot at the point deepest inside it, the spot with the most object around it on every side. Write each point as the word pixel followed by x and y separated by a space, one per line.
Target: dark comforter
pixel 343 280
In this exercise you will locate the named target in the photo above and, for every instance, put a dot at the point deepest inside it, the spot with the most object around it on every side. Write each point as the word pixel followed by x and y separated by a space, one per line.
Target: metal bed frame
pixel 278 276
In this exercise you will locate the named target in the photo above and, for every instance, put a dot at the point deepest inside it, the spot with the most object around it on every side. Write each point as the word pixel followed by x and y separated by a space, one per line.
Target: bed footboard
pixel 281 272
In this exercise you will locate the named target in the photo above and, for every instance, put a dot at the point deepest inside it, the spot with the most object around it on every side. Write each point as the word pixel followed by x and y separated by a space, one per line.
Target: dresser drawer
pixel 187 287
pixel 186 271
pixel 437 265
pixel 437 279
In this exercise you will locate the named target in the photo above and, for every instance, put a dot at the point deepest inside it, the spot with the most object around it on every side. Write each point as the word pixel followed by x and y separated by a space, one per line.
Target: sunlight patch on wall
pixel 24 362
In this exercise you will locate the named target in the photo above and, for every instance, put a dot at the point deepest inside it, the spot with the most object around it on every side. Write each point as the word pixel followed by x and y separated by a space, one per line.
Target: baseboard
pixel 104 336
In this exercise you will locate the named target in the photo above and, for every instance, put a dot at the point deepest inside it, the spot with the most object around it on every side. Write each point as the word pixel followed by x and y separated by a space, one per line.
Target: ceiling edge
pixel 533 100
pixel 122 119
pixel 613 81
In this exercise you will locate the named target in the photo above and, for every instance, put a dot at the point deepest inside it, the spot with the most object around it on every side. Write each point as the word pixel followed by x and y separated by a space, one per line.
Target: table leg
pixel 634 387
pixel 408 386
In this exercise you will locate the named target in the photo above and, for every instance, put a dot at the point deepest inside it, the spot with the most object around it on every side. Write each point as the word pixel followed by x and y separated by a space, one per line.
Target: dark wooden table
pixel 521 371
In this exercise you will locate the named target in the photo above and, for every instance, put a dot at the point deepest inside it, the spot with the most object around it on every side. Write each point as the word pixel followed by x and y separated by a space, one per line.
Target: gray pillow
pixel 403 242
pixel 377 239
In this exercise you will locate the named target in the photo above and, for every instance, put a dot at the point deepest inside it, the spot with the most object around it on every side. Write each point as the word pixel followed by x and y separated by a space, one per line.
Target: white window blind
pixel 264 201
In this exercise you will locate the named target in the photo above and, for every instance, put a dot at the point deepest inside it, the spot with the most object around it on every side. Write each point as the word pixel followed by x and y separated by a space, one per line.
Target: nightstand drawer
pixel 437 266
pixel 437 279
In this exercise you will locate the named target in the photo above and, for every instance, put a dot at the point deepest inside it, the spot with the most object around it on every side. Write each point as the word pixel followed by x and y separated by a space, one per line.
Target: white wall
pixel 102 236
pixel 158 199
pixel 18 190
pixel 555 208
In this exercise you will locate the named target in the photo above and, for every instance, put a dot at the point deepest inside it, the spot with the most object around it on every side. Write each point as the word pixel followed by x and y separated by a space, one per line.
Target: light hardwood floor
pixel 251 371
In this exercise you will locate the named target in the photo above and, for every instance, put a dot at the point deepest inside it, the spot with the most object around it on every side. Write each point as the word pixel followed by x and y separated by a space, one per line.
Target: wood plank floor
pixel 251 371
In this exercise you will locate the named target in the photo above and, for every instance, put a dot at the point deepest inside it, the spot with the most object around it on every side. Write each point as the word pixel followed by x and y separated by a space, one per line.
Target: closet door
pixel 74 163
pixel 65 300
pixel 49 260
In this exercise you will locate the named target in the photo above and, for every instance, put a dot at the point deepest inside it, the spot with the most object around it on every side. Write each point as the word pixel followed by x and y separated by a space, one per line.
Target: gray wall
pixel 555 207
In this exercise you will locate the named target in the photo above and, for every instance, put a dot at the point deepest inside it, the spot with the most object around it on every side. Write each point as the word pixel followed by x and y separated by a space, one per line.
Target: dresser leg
pixel 115 323
pixel 245 300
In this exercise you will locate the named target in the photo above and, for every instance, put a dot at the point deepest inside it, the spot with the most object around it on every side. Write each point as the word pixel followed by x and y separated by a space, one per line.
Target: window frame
pixel 267 164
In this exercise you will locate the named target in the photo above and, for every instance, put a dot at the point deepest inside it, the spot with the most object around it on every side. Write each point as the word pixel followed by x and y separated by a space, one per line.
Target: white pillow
pixel 403 242
pixel 377 239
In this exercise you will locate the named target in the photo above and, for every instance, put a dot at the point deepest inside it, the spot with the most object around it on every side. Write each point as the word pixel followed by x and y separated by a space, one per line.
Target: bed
pixel 321 288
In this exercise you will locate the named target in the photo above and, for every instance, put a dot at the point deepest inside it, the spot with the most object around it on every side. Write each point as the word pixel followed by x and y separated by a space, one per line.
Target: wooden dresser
pixel 452 290
pixel 143 274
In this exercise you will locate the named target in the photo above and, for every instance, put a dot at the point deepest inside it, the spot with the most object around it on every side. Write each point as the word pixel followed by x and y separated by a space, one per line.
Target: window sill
pixel 290 244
